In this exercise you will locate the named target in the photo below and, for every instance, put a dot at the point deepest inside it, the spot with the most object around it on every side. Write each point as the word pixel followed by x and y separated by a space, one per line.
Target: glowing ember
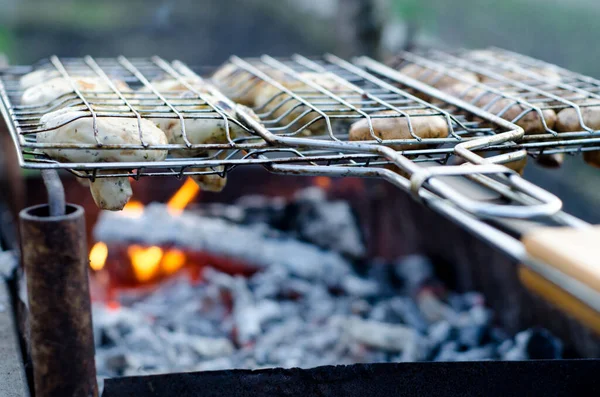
pixel 173 260
pixel 149 262
pixel 145 261
pixel 133 209
pixel 323 182
pixel 183 197
pixel 98 255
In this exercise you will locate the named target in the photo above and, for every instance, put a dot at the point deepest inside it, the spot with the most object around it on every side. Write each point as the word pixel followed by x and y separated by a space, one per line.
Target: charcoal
pixel 257 244
pixel 504 348
pixel 286 317
pixel 433 309
pixel 465 301
pixel 305 306
pixel 214 364
pixel 440 332
pixel 261 209
pixel 232 213
pixel 9 262
pixel 417 350
pixel 327 224
pixel 381 273
pixel 448 352
pixel 409 312
pixel 534 344
pixel 472 335
pixel 486 352
pixel 390 337
pixel 245 312
pixel 454 351
pixel 414 271
pixel 309 216
pixel 357 286
pixel 382 311
pixel 112 361
pixel 474 330
pixel 203 346
pixel 543 345
pixel 361 307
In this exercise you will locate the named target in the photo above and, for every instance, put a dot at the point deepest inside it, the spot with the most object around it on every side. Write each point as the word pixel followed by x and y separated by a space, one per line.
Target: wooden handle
pixel 575 252
pixel 559 298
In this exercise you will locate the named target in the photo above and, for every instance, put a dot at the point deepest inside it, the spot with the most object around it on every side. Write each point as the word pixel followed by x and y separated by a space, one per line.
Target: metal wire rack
pixel 338 83
pixel 303 118
pixel 143 98
pixel 302 128
pixel 511 81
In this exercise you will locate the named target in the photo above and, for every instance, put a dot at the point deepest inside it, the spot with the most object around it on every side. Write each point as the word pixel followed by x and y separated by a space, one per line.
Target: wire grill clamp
pixel 284 139
pixel 536 85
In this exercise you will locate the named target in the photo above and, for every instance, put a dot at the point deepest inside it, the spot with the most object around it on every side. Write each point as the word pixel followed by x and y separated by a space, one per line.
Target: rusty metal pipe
pixel 54 251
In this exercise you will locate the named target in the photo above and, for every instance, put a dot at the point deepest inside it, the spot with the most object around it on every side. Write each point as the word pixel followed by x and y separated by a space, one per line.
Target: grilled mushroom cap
pixel 37 77
pixel 280 105
pixel 51 90
pixel 211 128
pixel 73 126
pixel 425 123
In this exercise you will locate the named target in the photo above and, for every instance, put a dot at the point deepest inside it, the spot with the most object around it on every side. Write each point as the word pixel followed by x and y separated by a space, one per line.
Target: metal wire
pixel 359 98
pixel 279 140
pixel 521 79
pixel 310 106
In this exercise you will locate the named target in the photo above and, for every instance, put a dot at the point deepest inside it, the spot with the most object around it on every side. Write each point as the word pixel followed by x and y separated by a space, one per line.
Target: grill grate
pixel 360 98
pixel 534 85
pixel 304 130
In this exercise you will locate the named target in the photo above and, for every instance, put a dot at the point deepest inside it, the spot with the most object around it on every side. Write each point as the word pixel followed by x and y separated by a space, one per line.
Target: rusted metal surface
pixel 54 253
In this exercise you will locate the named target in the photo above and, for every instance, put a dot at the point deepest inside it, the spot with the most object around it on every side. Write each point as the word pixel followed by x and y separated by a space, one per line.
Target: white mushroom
pixel 211 128
pixel 51 90
pixel 239 84
pixel 169 84
pixel 72 126
pixel 291 112
pixel 37 77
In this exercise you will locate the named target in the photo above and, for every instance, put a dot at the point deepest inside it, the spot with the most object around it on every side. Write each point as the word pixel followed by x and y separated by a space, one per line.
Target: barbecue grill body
pixel 486 378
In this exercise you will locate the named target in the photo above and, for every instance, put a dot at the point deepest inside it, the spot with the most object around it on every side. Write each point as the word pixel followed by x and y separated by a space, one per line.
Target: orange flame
pixel 324 182
pixel 188 191
pixel 145 261
pixel 148 262
pixel 173 260
pixel 133 209
pixel 98 255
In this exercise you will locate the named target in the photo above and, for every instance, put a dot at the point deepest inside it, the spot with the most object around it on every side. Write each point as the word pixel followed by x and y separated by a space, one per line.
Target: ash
pixel 317 242
pixel 302 309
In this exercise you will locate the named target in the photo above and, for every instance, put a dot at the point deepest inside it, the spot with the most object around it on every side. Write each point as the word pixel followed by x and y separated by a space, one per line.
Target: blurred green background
pixel 207 32
pixel 561 31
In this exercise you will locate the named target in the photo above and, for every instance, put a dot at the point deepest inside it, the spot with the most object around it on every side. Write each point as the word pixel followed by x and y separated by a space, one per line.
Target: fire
pixel 145 261
pixel 149 262
pixel 133 209
pixel 183 197
pixel 173 260
pixel 323 182
pixel 98 255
